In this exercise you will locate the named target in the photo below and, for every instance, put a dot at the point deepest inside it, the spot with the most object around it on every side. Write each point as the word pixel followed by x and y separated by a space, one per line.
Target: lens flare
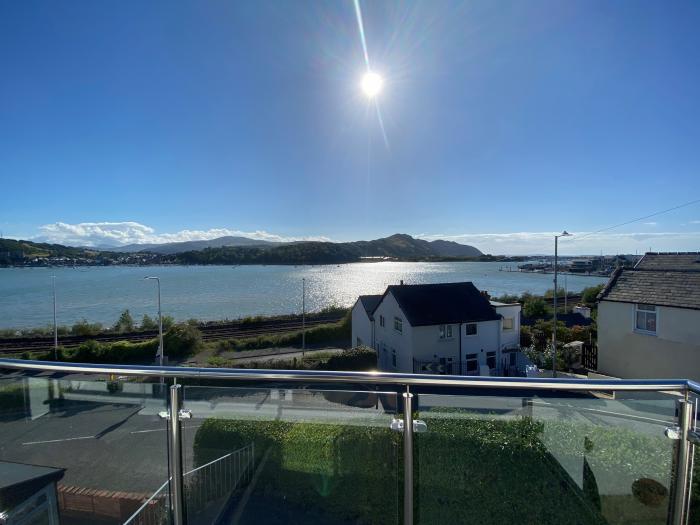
pixel 371 84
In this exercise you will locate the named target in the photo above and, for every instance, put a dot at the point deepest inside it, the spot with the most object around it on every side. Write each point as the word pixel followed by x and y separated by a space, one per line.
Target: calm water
pixel 221 292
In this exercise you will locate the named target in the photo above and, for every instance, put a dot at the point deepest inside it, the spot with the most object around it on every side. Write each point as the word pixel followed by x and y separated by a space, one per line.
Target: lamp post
pixel 160 323
pixel 55 326
pixel 554 331
pixel 303 317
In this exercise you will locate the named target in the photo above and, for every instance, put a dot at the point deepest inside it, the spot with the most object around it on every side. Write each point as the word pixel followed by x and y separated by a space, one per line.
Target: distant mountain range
pixel 188 246
pixel 242 250
pixel 398 246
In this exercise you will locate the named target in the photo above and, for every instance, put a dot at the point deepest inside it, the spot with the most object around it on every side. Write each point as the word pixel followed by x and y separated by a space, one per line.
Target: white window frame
pixel 398 324
pixel 512 324
pixel 476 329
pixel 445 331
pixel 468 359
pixel 646 309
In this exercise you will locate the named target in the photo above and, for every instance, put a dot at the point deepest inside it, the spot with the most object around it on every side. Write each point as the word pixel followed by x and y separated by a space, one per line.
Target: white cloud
pixel 580 243
pixel 651 223
pixel 122 233
pixel 694 222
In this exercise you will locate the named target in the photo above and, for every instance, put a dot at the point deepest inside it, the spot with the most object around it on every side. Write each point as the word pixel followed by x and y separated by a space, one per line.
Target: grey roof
pixel 431 304
pixel 679 289
pixel 12 474
pixel 684 261
pixel 370 302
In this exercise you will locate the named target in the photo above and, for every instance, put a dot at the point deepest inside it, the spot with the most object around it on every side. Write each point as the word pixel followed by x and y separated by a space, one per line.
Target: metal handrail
pixel 385 378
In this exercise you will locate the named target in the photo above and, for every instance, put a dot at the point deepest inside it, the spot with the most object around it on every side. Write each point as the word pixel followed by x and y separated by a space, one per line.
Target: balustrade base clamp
pixel 419 426
pixel 182 414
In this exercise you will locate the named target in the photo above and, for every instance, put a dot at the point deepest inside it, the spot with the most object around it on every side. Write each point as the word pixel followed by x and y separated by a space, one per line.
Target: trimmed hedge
pixel 348 473
pixel 467 470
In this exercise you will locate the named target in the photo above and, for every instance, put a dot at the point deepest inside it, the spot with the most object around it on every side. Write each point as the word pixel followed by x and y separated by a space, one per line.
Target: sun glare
pixel 371 84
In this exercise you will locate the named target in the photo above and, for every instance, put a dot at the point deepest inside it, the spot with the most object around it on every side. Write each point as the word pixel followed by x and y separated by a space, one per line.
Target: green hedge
pixel 180 340
pixel 467 470
pixel 349 473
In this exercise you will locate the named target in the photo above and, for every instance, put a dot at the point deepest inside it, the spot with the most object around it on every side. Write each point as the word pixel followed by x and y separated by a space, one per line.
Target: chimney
pixel 485 295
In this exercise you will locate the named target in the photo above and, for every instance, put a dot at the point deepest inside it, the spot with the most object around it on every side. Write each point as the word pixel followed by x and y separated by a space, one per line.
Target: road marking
pixel 57 440
pixel 156 430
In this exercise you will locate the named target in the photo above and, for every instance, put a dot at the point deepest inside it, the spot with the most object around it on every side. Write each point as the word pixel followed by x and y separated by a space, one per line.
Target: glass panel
pixel 580 459
pixel 641 321
pixel 82 451
pixel 278 455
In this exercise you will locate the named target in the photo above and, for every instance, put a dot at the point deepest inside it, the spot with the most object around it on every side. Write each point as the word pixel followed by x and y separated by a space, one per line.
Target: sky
pixel 501 122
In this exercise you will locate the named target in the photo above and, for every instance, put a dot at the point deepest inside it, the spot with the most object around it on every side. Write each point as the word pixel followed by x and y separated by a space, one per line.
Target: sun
pixel 371 84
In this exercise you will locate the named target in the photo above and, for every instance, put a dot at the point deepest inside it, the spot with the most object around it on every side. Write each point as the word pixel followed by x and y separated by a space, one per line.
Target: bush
pixel 182 340
pixel 84 328
pixel 361 358
pixel 589 295
pixel 535 308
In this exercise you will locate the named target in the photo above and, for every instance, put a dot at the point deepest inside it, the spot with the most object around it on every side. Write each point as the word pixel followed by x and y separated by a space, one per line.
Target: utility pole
pixel 303 317
pixel 566 294
pixel 55 326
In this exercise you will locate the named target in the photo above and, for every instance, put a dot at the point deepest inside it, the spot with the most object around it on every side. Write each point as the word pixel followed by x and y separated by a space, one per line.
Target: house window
pixel 472 363
pixel 491 359
pixel 470 328
pixel 398 324
pixel 393 358
pixel 445 331
pixel 507 323
pixel 381 321
pixel 645 318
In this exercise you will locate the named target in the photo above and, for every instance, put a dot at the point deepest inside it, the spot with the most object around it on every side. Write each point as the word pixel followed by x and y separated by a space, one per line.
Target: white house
pixel 362 320
pixel 447 328
pixel 649 319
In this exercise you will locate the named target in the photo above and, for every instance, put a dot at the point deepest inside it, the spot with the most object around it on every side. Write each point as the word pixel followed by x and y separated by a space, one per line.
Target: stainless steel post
pixel 679 515
pixel 407 457
pixel 177 493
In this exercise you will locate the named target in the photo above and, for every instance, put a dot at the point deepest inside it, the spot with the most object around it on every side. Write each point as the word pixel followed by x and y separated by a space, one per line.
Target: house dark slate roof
pixel 370 302
pixel 445 303
pixel 663 279
pixel 684 261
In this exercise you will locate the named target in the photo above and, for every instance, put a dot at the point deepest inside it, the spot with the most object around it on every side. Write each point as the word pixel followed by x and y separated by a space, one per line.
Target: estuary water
pixel 100 294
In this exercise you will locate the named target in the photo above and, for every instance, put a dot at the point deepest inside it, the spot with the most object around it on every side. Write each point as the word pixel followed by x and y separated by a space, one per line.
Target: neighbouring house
pixel 362 320
pixel 447 328
pixel 649 319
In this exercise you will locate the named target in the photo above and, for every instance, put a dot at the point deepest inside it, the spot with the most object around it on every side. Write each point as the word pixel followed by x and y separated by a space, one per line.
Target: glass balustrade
pixel 266 447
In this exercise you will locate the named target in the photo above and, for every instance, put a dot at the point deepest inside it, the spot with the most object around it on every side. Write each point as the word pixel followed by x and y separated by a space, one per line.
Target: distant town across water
pixel 100 294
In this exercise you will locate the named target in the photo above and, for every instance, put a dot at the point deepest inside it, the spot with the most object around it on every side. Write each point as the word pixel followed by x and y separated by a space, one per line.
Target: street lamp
pixel 160 322
pixel 303 317
pixel 554 331
pixel 55 326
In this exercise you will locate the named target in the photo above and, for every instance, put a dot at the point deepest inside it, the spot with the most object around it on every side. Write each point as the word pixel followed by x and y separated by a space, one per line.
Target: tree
pixel 535 308
pixel 148 323
pixel 589 295
pixel 125 323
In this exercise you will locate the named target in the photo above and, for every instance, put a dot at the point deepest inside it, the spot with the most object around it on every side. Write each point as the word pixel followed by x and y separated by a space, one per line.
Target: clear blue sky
pixel 501 117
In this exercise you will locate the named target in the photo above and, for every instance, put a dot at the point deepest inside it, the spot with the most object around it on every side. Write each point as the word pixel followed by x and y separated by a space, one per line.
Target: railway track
pixel 209 333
